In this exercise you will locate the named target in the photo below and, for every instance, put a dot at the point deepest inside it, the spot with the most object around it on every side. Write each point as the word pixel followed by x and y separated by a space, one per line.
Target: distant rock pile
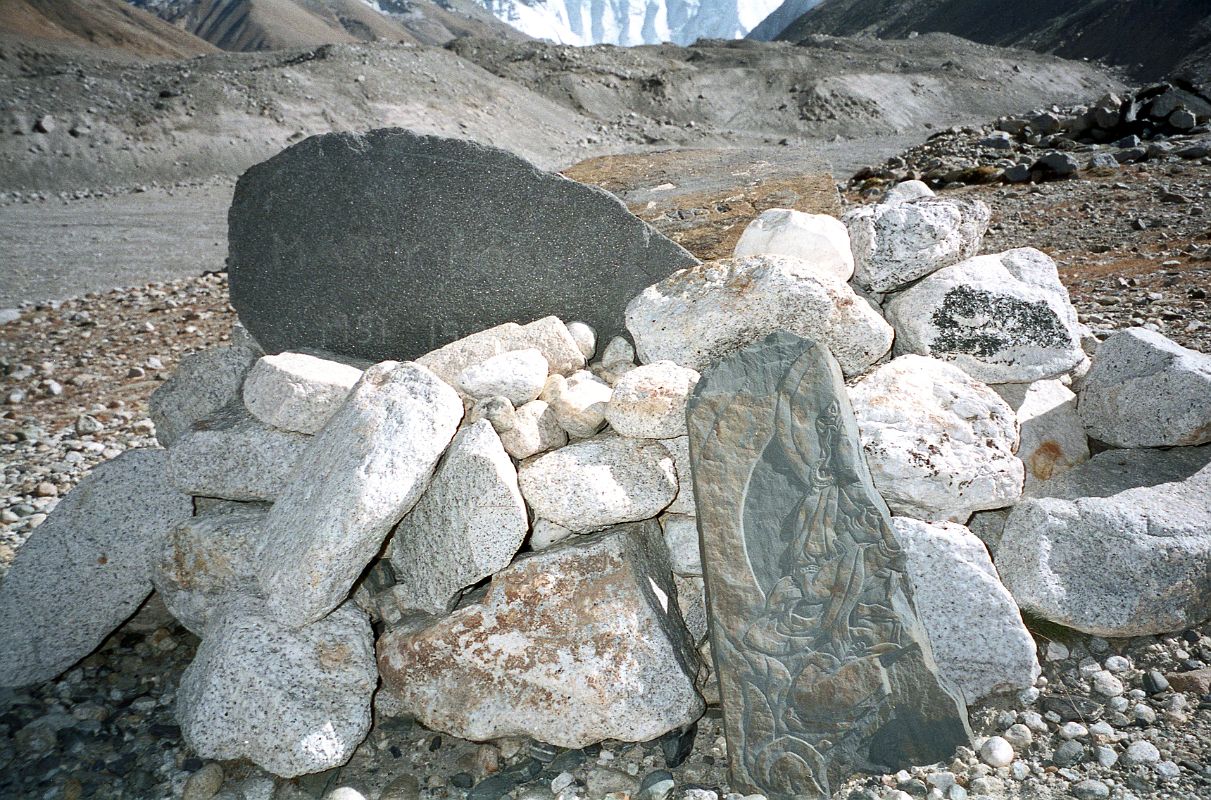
pixel 499 538
pixel 1167 120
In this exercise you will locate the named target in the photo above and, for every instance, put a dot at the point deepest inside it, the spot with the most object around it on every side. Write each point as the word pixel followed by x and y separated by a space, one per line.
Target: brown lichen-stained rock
pixel 824 665
pixel 576 644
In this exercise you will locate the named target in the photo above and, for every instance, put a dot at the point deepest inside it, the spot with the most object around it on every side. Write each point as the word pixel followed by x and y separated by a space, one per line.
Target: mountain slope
pixel 1148 38
pixel 631 22
pixel 781 19
pixel 97 24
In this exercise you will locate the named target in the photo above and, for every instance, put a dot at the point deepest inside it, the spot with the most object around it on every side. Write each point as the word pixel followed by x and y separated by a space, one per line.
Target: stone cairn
pixel 872 442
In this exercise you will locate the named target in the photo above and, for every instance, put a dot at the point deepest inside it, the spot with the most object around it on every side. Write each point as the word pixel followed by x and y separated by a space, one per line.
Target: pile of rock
pixel 503 531
pixel 1159 122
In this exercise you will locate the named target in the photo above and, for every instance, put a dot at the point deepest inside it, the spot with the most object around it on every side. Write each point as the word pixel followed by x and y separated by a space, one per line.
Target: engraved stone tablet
pixel 824 666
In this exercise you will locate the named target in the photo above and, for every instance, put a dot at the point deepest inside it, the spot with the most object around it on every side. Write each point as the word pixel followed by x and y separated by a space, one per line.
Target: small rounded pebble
pixel 1142 752
pixel 996 752
pixel 1019 736
pixel 1073 730
pixel 204 784
pixel 1168 771
pixel 1104 683
pixel 1117 664
pixel 1090 790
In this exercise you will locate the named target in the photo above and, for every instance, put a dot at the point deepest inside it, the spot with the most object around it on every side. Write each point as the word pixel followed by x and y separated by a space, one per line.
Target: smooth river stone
pixel 389 244
pixel 823 662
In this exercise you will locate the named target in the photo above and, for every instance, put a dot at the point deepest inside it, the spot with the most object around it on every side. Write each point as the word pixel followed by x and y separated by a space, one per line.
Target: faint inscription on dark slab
pixel 823 664
pixel 390 244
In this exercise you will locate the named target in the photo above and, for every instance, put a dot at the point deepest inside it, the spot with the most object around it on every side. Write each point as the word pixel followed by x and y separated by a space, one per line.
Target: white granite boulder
pixel 548 336
pixel 466 526
pixel 517 374
pixel 1118 546
pixel 649 401
pixel 1145 390
pixel 296 391
pixel 291 701
pixel 974 626
pixel 578 401
pixel 1003 318
pixel 1052 437
pixel 208 562
pixel 534 428
pixel 617 360
pixel 357 479
pixel 573 645
pixel 202 384
pixel 897 242
pixel 600 482
pixel 585 337
pixel 87 567
pixel 818 240
pixel 234 456
pixel 697 315
pixel 939 444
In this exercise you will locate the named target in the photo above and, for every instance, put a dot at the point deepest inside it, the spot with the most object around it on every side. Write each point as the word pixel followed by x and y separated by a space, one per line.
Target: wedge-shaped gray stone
pixel 297 391
pixel 824 665
pixel 356 480
pixel 1145 390
pixel 1118 546
pixel 234 456
pixel 978 637
pixel 87 568
pixel 202 384
pixel 578 643
pixel 1003 318
pixel 208 562
pixel 1052 436
pixel 601 482
pixel 700 314
pixel 900 240
pixel 940 444
pixel 466 526
pixel 389 244
pixel 291 701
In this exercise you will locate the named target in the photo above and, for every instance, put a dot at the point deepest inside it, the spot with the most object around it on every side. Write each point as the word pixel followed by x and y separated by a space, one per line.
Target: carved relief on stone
pixel 824 666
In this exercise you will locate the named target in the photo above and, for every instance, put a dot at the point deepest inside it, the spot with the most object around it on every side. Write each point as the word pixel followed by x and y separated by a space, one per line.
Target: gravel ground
pixel 75 376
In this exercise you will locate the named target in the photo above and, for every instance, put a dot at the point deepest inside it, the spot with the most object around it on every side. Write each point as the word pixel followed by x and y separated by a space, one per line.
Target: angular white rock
pixel 296 391
pixel 1145 390
pixel 600 482
pixel 939 444
pixel 683 503
pixel 1003 318
pixel 466 526
pixel 291 701
pixel 209 562
pixel 649 401
pixel 681 539
pixel 202 384
pixel 518 375
pixel 87 567
pixel 357 479
pixel 697 315
pixel 547 335
pixel 617 360
pixel 1052 436
pixel 546 533
pixel 579 402
pixel 234 456
pixel 818 240
pixel 974 626
pixel 904 191
pixel 585 336
pixel 578 643
pixel 1118 546
pixel 535 430
pixel 897 242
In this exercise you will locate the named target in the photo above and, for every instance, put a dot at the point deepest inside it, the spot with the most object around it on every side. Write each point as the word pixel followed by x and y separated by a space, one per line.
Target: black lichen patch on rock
pixel 984 323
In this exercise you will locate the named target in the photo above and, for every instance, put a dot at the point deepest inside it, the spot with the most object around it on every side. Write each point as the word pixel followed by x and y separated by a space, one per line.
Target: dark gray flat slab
pixel 823 664
pixel 390 244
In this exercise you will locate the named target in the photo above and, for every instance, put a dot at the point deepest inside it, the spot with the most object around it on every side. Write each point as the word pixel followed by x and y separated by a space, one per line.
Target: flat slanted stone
pixel 1117 546
pixel 578 643
pixel 87 568
pixel 813 626
pixel 202 384
pixel 232 455
pixel 209 561
pixel 291 701
pixel 358 477
pixel 466 526
pixel 1145 390
pixel 388 244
